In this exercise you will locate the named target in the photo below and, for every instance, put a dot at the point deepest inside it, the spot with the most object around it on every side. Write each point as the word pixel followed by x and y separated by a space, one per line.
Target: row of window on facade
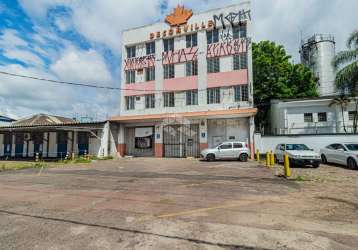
pixel 241 94
pixel 322 116
pixel 191 68
pixel 212 36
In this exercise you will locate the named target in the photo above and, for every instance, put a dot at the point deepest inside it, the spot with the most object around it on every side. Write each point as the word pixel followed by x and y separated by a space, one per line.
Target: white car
pixel 341 153
pixel 298 155
pixel 227 150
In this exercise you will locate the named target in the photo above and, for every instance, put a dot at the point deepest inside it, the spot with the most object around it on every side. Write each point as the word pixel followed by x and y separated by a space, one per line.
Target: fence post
pixel 257 155
pixel 272 158
pixel 287 166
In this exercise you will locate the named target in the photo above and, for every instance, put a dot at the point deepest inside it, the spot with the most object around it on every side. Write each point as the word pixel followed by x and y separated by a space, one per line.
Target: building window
pixel 131 52
pixel 130 76
pixel 192 40
pixel 213 95
pixel 150 48
pixel 308 117
pixel 241 93
pixel 150 101
pixel 130 102
pixel 213 65
pixel 322 117
pixel 212 36
pixel 351 115
pixel 191 68
pixel 168 44
pixel 169 71
pixel 169 99
pixel 240 61
pixel 150 74
pixel 239 31
pixel 192 97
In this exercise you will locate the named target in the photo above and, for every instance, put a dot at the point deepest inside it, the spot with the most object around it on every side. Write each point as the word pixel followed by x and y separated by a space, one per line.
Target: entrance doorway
pixel 62 138
pixel 83 142
pixel 181 140
pixel 19 145
pixel 7 144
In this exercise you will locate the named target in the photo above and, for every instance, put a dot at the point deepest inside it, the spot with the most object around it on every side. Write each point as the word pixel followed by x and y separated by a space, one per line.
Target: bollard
pixel 287 166
pixel 257 155
pixel 85 154
pixel 37 157
pixel 272 159
pixel 73 156
pixel 268 159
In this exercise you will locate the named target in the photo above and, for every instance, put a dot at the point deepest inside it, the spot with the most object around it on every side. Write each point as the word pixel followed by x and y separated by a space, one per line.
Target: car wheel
pixel 351 163
pixel 316 165
pixel 243 157
pixel 324 159
pixel 210 157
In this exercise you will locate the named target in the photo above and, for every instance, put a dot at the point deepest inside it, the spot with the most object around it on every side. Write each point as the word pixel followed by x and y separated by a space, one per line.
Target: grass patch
pixel 76 161
pixel 21 165
pixel 300 178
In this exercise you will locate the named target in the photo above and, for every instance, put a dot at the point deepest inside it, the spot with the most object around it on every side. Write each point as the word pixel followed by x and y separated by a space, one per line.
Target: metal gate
pixel 181 140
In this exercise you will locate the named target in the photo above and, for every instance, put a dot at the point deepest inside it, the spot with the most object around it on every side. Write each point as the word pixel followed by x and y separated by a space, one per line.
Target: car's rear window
pixel 353 147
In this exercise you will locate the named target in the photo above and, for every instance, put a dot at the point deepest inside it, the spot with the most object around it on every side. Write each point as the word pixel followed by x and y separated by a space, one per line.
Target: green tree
pixel 343 102
pixel 275 77
pixel 346 64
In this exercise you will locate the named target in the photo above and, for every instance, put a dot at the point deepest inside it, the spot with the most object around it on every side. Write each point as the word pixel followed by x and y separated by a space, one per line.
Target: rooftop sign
pixel 179 16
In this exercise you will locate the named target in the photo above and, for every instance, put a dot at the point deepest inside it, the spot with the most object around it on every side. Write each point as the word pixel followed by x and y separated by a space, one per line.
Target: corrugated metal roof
pixel 44 120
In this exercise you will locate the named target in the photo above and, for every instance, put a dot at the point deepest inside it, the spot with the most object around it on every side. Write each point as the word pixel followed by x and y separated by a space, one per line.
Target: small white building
pixel 321 115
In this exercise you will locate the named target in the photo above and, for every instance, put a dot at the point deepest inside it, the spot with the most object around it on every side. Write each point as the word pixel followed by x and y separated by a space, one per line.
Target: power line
pixel 60 82
pixel 88 85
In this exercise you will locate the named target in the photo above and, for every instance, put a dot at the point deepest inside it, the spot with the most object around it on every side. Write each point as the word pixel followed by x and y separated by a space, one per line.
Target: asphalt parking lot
pixel 148 203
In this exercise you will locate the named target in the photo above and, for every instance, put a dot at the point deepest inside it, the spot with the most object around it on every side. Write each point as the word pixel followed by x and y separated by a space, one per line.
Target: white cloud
pixel 24 56
pixel 10 39
pixel 81 66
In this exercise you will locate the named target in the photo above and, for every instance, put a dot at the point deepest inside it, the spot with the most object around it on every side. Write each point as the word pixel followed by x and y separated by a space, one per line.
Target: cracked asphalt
pixel 148 203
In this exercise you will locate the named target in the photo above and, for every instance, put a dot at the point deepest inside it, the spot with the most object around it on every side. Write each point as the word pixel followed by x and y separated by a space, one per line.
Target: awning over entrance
pixel 242 112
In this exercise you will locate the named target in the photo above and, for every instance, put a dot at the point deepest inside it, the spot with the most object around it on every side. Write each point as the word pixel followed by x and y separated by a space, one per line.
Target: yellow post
pixel 272 158
pixel 268 159
pixel 257 155
pixel 287 166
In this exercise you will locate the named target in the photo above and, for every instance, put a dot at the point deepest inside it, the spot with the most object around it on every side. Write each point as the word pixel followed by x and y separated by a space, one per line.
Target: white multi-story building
pixel 187 83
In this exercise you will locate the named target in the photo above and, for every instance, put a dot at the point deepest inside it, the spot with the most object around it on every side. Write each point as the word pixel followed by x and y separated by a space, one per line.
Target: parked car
pixel 341 153
pixel 298 155
pixel 227 150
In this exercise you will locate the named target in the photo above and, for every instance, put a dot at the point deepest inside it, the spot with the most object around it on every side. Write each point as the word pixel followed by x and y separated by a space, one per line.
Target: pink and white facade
pixel 186 85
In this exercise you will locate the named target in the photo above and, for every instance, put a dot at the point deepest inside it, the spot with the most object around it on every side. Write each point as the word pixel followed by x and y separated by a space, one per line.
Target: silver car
pixel 227 150
pixel 341 153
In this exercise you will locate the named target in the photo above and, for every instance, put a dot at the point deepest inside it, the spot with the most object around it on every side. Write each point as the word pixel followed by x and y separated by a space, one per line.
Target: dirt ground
pixel 148 203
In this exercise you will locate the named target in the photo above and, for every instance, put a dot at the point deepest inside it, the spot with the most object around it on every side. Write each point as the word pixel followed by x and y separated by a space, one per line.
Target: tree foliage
pixel 275 77
pixel 346 63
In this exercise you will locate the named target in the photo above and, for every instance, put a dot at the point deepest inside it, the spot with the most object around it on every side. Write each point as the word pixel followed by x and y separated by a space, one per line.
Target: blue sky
pixel 79 41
